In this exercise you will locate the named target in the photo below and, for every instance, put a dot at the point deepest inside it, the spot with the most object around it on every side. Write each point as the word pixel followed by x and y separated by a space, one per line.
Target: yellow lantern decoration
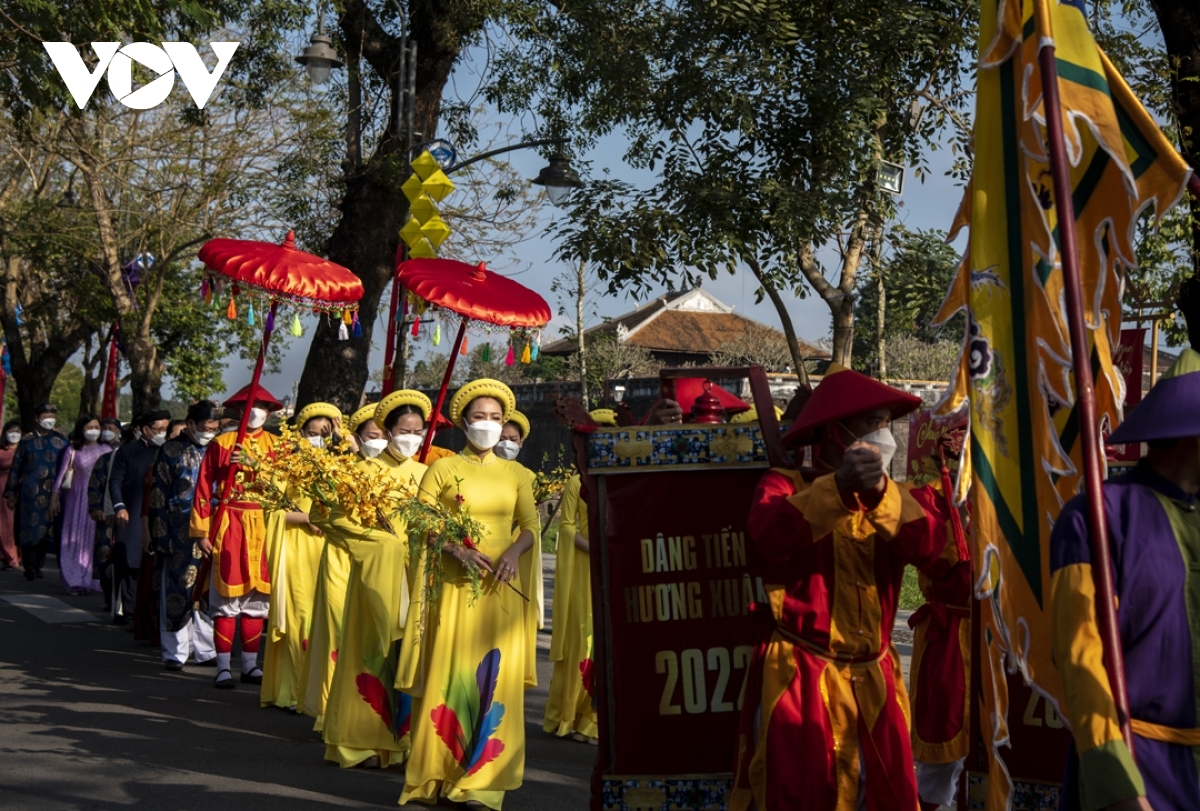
pixel 423 208
pixel 436 230
pixel 411 232
pixel 425 165
pixel 412 187
pixel 422 249
pixel 438 185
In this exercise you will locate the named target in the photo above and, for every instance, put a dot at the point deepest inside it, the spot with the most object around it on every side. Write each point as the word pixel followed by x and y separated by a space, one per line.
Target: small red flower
pixel 459 498
pixel 467 542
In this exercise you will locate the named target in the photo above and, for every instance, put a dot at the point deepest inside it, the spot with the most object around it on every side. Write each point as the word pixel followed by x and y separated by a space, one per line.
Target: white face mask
pixel 108 436
pixel 258 418
pixel 484 434
pixel 204 437
pixel 48 423
pixel 507 449
pixel 373 447
pixel 92 435
pixel 14 437
pixel 407 445
pixel 884 442
pixel 317 441
pixel 158 439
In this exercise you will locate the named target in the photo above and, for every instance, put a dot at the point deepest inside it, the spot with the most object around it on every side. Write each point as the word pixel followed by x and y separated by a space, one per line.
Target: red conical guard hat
pixel 261 395
pixel 843 393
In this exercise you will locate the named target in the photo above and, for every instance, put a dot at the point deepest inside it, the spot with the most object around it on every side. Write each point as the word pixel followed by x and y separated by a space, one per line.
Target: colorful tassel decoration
pixel 534 355
pixel 204 289
pixel 437 334
pixel 356 329
pixel 231 311
pixel 270 325
pixel 486 354
pixel 343 333
pixel 525 356
pixel 463 351
pixel 347 318
pixel 250 314
pixel 297 327
pixel 511 357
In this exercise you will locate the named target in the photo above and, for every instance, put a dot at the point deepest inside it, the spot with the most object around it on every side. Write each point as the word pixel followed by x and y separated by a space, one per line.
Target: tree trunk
pixel 36 364
pixel 579 324
pixel 785 320
pixel 881 309
pixel 1180 24
pixel 374 208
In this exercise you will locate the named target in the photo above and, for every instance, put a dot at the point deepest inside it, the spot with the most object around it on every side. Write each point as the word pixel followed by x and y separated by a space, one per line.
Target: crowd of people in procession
pixel 437 685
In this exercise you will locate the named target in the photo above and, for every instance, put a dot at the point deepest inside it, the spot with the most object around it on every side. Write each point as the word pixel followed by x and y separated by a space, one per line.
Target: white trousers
pixel 195 638
pixel 938 782
pixel 252 604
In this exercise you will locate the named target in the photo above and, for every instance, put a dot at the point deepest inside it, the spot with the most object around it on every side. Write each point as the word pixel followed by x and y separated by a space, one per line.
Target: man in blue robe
pixel 127 488
pixel 178 557
pixel 35 465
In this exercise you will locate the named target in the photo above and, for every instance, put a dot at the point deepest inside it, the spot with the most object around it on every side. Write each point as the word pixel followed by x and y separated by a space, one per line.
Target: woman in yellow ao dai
pixel 294 548
pixel 367 720
pixel 468 672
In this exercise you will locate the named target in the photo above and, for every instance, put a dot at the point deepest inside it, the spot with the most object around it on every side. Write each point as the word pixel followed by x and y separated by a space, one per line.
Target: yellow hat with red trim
pixel 484 387
pixel 402 398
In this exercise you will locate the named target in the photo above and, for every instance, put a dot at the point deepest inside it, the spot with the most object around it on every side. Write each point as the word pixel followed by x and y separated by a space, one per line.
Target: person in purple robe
pixel 70 496
pixel 1154 529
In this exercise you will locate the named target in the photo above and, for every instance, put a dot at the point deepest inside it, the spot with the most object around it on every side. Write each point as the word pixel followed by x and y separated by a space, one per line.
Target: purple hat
pixel 1170 410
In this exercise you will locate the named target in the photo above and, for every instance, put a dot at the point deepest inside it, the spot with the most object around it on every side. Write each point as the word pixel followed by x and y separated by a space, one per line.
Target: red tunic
pixel 240 542
pixel 825 688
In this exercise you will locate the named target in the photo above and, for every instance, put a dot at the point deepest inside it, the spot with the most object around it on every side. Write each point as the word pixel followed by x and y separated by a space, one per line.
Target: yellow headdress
pixel 484 387
pixel 314 410
pixel 604 416
pixel 359 417
pixel 521 421
pixel 402 398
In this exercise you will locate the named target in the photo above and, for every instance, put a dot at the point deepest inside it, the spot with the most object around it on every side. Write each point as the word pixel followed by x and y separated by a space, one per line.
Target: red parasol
pixel 476 294
pixel 281 273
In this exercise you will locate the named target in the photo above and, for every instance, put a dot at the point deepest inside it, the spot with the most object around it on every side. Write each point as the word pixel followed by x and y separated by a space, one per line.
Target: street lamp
pixel 559 179
pixel 319 57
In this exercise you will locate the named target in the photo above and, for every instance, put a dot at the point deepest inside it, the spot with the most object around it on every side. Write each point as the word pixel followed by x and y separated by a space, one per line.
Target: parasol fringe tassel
pixel 270 325
pixel 416 329
pixel 534 354
pixel 343 333
pixel 231 310
pixel 525 356
pixel 437 334
pixel 356 329
pixel 463 351
pixel 297 327
pixel 250 314
pixel 486 354
pixel 511 357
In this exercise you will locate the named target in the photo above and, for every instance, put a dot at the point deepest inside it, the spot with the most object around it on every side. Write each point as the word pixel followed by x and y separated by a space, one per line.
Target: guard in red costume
pixel 241 585
pixel 824 724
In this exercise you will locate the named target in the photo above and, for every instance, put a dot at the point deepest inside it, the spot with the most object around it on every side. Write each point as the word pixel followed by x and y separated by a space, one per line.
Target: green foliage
pixel 917 272
pixel 65 395
pixel 757 125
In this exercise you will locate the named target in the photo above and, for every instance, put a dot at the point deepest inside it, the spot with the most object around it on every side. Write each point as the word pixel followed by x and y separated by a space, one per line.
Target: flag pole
pixel 1102 574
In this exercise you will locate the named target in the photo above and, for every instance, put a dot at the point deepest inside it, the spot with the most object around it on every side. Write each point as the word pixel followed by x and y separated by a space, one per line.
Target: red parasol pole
pixel 231 475
pixel 441 398
pixel 1102 574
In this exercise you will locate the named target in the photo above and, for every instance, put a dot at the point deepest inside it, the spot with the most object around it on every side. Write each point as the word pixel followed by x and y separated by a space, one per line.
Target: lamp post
pixel 319 58
pixel 559 179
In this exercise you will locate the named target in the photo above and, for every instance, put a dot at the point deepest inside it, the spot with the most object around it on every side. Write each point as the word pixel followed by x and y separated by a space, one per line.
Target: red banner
pixel 681 578
pixel 1129 360
pixel 929 437
pixel 108 404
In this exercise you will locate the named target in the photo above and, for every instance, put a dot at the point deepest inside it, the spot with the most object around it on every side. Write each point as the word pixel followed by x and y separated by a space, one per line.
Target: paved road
pixel 89 720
